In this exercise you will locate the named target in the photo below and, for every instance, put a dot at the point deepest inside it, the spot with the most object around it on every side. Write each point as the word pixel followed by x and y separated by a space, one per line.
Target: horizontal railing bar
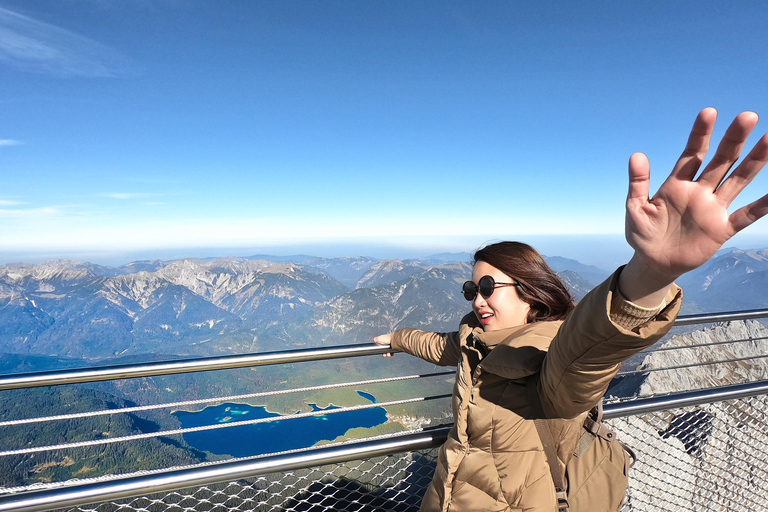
pixel 219 399
pixel 725 316
pixel 215 426
pixel 49 499
pixel 666 348
pixel 685 399
pixel 129 371
pixel 693 365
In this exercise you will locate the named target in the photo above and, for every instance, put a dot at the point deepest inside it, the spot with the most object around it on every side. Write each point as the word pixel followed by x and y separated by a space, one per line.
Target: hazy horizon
pixel 603 251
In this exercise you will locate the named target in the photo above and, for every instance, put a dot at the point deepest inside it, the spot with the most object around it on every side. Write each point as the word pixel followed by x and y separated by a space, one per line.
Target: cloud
pixel 38 47
pixel 128 195
pixel 120 195
pixel 26 213
pixel 9 202
pixel 10 142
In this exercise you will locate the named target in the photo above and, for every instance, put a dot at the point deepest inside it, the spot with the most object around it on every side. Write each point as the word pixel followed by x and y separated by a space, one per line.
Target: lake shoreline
pixel 275 434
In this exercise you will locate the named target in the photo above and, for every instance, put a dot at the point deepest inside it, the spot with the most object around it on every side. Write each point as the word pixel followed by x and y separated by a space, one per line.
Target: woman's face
pixel 503 308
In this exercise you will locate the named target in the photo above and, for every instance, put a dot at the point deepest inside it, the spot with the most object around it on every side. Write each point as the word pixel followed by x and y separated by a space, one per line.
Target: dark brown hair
pixel 540 286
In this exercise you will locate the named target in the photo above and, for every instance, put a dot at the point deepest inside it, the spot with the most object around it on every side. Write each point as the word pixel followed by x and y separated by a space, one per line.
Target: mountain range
pixel 231 305
pixel 733 280
pixel 224 305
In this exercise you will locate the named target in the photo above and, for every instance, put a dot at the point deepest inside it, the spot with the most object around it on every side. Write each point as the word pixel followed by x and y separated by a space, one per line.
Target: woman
pixel 522 329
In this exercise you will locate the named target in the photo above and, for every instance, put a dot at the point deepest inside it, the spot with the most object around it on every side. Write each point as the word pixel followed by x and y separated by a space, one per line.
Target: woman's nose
pixel 478 301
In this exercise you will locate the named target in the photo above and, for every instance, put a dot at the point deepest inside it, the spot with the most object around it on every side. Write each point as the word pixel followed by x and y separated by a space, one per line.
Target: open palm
pixel 687 220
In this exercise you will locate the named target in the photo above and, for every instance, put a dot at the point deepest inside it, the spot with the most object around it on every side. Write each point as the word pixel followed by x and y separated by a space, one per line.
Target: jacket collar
pixel 517 352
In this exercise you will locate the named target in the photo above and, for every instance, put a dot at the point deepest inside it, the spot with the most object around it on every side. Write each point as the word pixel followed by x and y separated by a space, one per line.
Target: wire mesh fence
pixel 393 482
pixel 711 457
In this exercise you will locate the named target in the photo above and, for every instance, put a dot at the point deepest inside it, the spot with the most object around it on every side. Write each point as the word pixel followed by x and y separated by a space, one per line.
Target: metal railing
pixel 685 455
pixel 202 364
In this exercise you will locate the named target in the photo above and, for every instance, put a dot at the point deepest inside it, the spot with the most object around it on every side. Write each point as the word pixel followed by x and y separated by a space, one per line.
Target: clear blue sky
pixel 138 127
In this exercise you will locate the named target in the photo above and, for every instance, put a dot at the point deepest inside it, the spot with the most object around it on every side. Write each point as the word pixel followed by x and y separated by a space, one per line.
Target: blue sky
pixel 188 128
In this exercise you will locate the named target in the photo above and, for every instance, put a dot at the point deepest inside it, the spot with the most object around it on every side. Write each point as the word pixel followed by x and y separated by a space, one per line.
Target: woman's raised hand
pixel 687 221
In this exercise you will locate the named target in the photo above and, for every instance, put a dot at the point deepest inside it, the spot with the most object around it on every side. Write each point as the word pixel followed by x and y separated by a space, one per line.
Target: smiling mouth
pixel 485 317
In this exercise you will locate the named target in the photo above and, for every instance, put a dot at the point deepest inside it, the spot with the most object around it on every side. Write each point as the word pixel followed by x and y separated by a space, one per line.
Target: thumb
pixel 639 177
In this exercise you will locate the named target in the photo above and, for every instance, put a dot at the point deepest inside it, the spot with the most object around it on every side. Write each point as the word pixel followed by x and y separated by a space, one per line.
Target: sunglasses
pixel 485 287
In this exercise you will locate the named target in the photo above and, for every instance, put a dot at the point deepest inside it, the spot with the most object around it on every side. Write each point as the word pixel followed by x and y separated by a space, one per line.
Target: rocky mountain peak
pixel 724 354
pixel 388 271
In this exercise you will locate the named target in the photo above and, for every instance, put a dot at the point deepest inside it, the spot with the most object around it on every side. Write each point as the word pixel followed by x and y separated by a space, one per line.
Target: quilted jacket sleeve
pixel 438 348
pixel 589 348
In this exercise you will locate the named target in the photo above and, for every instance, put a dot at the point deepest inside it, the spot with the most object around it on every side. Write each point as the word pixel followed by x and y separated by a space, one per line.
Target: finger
pixel 697 146
pixel 746 215
pixel 639 177
pixel 745 172
pixel 729 149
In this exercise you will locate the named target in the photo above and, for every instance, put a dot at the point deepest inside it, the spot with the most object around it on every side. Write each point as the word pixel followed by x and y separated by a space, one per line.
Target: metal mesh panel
pixel 706 458
pixel 395 483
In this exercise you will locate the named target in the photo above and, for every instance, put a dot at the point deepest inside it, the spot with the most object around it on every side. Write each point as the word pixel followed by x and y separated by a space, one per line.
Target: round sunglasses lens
pixel 469 290
pixel 486 286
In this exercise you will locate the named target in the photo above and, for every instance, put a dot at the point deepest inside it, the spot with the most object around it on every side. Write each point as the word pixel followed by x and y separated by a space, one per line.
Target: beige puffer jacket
pixel 493 459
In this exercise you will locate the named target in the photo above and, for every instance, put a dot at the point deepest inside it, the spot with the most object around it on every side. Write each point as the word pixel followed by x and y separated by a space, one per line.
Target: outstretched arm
pixel 435 347
pixel 687 221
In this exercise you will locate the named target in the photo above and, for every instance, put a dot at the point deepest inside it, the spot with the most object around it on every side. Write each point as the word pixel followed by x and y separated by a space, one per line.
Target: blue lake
pixel 273 436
